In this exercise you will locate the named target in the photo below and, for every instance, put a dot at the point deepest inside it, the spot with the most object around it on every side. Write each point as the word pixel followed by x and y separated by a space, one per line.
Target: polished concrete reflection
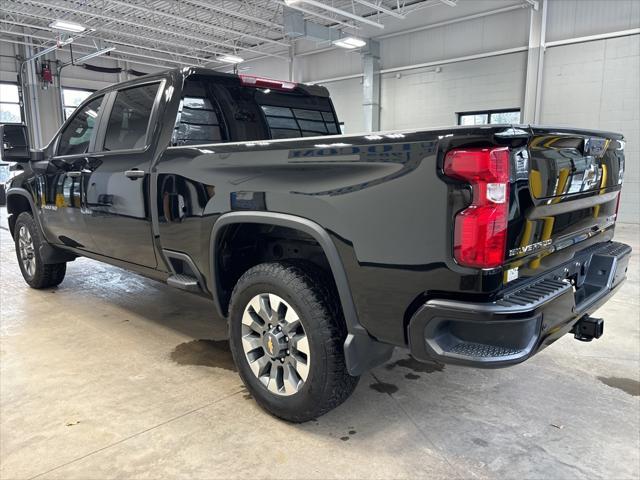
pixel 112 375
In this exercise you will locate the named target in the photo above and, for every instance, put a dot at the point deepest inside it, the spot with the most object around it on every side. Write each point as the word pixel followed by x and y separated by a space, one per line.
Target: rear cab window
pixel 290 115
pixel 221 109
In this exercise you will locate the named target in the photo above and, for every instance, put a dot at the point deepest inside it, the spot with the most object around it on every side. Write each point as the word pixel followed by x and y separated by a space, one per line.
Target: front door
pixel 118 213
pixel 61 187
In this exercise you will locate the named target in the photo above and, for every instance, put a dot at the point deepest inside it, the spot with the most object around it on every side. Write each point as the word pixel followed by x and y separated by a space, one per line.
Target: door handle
pixel 134 174
pixel 76 173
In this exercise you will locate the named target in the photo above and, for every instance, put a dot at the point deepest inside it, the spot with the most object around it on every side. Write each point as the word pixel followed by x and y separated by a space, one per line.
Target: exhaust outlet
pixel 588 328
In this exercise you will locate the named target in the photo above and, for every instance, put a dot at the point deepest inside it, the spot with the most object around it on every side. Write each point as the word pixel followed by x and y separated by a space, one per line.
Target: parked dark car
pixel 477 245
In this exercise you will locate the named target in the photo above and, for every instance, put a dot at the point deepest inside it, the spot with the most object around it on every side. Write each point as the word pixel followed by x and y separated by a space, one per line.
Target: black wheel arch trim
pixel 362 352
pixel 49 253
pixel 25 193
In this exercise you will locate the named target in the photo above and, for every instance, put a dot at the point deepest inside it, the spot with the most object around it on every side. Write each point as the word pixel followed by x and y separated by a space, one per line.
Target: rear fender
pixel 362 352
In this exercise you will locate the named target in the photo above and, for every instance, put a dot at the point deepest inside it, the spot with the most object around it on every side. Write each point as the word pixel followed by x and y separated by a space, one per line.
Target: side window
pixel 129 118
pixel 76 135
pixel 199 118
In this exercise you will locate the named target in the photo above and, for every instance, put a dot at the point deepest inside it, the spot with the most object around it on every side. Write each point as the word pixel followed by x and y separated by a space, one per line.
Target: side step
pixel 183 282
pixel 473 350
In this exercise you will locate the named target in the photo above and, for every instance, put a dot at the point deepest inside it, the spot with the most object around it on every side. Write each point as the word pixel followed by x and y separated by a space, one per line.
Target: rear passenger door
pixel 117 198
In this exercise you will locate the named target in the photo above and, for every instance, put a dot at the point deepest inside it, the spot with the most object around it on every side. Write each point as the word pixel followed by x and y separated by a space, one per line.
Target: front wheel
pixel 286 334
pixel 28 241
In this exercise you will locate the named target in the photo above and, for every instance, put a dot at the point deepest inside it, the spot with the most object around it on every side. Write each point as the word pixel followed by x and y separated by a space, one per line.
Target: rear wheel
pixel 28 241
pixel 286 336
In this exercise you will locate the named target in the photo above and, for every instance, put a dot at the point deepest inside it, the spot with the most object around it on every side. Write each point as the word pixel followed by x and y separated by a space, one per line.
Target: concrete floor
pixel 112 375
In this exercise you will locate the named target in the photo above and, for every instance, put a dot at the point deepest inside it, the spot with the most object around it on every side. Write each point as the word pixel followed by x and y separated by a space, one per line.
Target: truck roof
pixel 183 72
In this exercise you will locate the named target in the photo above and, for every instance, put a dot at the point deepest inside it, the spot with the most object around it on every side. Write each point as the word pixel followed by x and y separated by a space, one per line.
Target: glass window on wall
pixel 489 117
pixel 71 98
pixel 10 111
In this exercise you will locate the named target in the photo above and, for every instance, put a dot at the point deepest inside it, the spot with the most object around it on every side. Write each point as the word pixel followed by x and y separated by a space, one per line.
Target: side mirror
pixel 14 144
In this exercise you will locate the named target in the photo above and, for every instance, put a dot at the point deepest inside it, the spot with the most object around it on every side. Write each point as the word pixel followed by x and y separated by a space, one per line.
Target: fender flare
pixel 362 352
pixel 50 254
pixel 25 193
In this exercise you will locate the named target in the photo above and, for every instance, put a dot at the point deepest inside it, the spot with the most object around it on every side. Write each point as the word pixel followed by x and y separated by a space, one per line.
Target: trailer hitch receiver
pixel 588 328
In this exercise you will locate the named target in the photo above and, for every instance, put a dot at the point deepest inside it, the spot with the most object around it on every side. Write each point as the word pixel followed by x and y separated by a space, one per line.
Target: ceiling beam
pixel 344 13
pixel 117 42
pixel 147 27
pixel 137 62
pixel 197 22
pixel 380 8
pixel 296 6
pixel 91 48
pixel 134 36
pixel 250 18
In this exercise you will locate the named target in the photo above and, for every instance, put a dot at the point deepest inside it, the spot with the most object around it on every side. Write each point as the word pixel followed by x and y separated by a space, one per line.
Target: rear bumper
pixel 524 321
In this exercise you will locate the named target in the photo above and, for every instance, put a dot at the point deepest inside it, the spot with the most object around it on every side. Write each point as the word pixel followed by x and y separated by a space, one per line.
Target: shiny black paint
pixel 384 202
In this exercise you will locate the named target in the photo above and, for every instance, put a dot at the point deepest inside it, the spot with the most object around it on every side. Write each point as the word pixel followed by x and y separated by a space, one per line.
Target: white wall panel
pixel 425 98
pixel 495 32
pixel 581 18
pixel 597 85
pixel 267 67
pixel 334 63
pixel 347 99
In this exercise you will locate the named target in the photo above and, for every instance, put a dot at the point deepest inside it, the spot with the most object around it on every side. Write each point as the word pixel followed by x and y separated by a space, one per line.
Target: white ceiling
pixel 197 32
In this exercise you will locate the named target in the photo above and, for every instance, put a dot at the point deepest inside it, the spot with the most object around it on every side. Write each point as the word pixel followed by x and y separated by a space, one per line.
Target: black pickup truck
pixel 475 245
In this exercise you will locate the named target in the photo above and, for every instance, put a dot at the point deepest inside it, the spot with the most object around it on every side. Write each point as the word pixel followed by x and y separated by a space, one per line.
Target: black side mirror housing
pixel 14 144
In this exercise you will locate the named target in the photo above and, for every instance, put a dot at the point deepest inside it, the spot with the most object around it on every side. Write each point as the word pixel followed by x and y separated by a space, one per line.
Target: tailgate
pixel 565 189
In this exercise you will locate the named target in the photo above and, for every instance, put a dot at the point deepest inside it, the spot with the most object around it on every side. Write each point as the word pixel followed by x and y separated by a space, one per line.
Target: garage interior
pixel 113 375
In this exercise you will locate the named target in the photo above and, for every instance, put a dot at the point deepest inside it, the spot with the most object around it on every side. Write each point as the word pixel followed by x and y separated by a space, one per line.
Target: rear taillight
pixel 262 82
pixel 480 233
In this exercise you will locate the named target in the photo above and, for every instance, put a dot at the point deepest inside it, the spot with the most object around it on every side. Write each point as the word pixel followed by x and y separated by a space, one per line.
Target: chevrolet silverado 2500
pixel 478 245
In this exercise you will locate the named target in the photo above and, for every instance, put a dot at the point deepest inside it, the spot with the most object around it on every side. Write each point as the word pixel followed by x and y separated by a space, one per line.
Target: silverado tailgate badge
pixel 530 248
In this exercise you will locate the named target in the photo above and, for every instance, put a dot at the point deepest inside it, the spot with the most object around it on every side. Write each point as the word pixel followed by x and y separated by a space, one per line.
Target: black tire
pixel 42 275
pixel 304 287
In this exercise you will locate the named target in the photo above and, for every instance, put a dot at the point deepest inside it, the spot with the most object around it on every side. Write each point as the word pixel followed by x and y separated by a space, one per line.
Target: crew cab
pixel 477 246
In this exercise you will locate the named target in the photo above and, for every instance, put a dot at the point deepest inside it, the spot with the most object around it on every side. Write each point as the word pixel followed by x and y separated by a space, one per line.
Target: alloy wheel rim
pixel 27 251
pixel 275 344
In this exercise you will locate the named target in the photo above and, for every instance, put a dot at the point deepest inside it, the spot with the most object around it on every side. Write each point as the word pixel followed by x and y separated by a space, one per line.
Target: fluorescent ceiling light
pixel 95 54
pixel 67 26
pixel 329 145
pixel 349 42
pixel 231 59
pixel 291 2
